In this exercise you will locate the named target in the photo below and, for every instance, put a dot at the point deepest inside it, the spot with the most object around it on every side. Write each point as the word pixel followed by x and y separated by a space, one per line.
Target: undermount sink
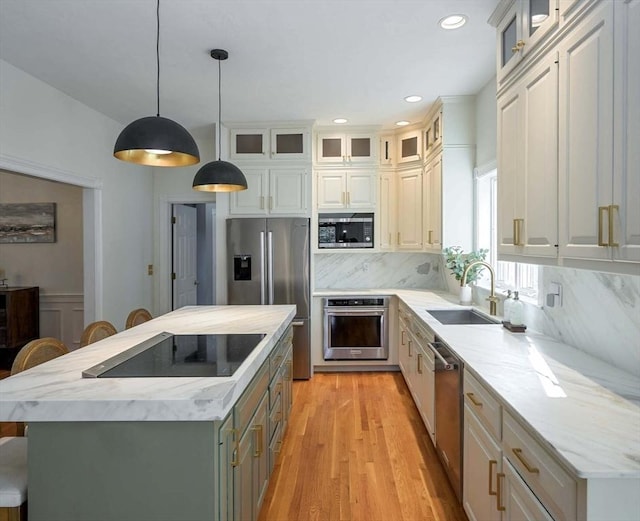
pixel 460 316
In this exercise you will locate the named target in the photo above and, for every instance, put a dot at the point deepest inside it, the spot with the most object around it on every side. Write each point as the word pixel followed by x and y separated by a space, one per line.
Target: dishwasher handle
pixel 447 366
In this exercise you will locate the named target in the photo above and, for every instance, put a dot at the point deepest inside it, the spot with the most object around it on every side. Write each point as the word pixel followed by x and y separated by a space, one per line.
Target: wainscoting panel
pixel 62 317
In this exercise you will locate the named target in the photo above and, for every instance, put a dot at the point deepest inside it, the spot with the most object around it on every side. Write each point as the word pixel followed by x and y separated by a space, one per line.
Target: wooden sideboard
pixel 19 320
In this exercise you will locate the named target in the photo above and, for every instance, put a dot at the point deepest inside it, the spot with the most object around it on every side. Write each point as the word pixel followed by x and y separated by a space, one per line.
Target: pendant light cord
pixel 158 56
pixel 219 109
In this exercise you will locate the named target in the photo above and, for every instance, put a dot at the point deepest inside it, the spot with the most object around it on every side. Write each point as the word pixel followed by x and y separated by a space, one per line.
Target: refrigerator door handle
pixel 270 263
pixel 263 271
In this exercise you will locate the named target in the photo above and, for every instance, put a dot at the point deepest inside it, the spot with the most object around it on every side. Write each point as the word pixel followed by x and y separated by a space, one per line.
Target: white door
pixel 184 256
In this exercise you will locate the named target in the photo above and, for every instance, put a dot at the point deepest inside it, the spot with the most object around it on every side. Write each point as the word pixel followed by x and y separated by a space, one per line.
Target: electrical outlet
pixel 554 297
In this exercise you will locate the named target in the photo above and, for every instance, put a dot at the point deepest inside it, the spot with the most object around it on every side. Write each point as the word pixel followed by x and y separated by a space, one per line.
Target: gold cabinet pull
pixel 601 210
pixel 419 363
pixel 270 202
pixel 611 209
pixel 430 240
pixel 398 238
pixel 236 450
pixel 402 339
pixel 348 197
pixel 258 441
pixel 516 232
pixel 492 462
pixel 262 202
pixel 499 506
pixel 410 354
pixel 525 463
pixel 519 45
pixel 475 402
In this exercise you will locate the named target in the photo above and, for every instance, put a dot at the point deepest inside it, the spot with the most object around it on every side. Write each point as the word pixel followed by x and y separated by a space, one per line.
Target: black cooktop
pixel 168 355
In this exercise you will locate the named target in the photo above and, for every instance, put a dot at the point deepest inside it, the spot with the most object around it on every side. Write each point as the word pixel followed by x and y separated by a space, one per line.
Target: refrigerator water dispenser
pixel 242 267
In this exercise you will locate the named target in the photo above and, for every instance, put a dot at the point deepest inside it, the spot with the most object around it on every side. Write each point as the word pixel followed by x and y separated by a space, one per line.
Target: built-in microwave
pixel 345 230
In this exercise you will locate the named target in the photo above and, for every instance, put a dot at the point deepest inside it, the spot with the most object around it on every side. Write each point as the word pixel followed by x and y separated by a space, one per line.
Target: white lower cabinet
pixel 482 464
pixel 425 387
pixel 517 501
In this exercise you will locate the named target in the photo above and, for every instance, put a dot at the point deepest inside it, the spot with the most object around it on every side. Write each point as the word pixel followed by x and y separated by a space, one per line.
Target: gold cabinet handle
pixel 501 508
pixel 519 45
pixel 525 463
pixel 270 202
pixel 410 354
pixel 430 241
pixel 601 210
pixel 398 238
pixel 471 397
pixel 348 197
pixel 419 363
pixel 611 209
pixel 492 462
pixel 516 231
pixel 262 202
pixel 402 339
pixel 258 441
pixel 236 450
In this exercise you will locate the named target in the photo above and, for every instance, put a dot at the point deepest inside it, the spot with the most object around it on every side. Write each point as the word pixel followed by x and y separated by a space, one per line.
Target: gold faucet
pixel 493 300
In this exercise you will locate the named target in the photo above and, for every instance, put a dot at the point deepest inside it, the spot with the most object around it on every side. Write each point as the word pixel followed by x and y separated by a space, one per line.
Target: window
pixel 509 275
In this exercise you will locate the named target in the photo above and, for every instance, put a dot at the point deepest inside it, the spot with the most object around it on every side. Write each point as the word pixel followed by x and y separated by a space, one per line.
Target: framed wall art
pixel 27 222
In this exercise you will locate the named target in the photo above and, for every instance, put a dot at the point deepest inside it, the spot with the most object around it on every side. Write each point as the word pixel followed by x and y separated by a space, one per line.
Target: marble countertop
pixel 56 390
pixel 581 409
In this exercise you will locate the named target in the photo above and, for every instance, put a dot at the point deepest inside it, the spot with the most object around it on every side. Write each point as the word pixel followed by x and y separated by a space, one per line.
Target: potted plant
pixel 456 260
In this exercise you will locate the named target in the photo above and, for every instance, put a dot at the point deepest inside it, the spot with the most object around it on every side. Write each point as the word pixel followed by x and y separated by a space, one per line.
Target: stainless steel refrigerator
pixel 268 263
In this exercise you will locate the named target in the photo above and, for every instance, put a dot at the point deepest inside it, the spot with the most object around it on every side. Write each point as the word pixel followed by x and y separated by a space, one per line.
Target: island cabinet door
pixel 243 479
pixel 227 462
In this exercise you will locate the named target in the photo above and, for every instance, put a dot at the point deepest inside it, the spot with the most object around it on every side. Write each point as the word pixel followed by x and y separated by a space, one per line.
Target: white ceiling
pixel 288 59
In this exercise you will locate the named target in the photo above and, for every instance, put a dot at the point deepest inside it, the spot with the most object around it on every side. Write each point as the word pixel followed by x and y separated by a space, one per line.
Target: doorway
pixel 193 251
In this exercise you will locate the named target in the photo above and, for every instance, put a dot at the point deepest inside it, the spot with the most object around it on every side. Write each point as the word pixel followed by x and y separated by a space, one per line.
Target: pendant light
pixel 154 140
pixel 219 176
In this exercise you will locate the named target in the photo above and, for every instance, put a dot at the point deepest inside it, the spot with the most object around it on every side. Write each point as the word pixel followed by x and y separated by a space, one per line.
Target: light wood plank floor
pixel 356 449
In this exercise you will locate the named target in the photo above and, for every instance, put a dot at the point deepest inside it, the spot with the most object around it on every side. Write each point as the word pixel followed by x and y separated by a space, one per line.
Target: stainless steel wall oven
pixel 356 328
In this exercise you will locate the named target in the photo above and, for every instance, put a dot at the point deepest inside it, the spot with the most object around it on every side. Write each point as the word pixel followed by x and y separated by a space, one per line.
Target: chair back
pixel 37 352
pixel 97 331
pixel 137 316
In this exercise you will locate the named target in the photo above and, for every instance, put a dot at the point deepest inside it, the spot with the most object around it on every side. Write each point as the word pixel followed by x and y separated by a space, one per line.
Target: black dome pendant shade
pixel 219 176
pixel 154 140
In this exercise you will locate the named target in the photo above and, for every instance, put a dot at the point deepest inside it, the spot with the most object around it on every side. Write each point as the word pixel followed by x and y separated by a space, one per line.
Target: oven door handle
pixel 355 312
pixel 447 366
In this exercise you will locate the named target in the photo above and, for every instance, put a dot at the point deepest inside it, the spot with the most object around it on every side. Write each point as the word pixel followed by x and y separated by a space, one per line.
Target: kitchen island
pixel 156 448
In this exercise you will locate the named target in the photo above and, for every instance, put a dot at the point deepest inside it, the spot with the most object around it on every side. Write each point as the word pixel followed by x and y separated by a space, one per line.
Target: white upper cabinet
pixel 410 146
pixel 410 209
pixel 387 211
pixel 342 190
pixel 527 163
pixel 586 138
pixel 625 211
pixel 272 191
pixel 523 24
pixel 346 148
pixel 270 142
pixel 432 203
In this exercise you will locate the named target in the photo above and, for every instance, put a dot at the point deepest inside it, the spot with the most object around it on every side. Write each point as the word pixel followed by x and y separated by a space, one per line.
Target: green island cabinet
pixel 165 471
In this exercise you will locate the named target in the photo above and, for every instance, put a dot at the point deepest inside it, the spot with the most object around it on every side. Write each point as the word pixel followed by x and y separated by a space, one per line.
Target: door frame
pixel 92 247
pixel 164 246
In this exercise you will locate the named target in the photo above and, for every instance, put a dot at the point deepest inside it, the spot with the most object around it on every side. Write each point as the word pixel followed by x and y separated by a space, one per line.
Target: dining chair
pixel 97 331
pixel 13 449
pixel 136 317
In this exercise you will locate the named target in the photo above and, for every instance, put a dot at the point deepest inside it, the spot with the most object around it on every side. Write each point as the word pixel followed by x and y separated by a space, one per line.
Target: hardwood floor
pixel 356 449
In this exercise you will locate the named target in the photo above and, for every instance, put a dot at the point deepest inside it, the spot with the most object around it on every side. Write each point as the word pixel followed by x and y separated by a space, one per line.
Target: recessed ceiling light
pixel 340 120
pixel 413 99
pixel 402 123
pixel 453 21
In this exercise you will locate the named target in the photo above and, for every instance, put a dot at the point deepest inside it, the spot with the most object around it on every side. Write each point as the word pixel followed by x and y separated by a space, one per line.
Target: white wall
pixel 486 124
pixel 47 130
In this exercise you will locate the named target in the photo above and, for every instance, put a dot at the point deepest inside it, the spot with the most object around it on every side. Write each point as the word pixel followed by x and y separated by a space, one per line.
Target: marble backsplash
pixel 346 270
pixel 599 314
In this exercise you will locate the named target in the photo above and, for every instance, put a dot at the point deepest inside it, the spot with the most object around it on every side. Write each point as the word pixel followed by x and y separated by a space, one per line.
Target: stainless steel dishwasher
pixel 448 412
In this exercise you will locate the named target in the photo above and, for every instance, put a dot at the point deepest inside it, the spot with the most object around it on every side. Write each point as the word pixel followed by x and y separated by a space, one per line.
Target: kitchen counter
pixel 583 410
pixel 57 392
